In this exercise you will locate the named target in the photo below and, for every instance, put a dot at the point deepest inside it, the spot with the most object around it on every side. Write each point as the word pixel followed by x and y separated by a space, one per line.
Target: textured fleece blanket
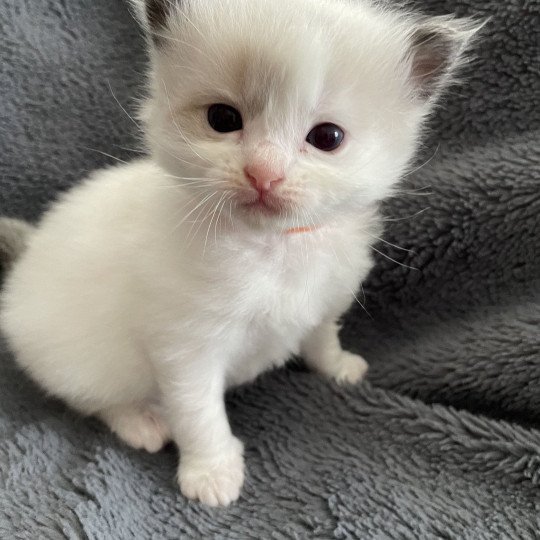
pixel 442 441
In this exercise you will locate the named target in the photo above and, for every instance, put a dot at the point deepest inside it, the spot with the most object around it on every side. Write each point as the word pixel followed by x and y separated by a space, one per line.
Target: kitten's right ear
pixel 438 47
pixel 153 15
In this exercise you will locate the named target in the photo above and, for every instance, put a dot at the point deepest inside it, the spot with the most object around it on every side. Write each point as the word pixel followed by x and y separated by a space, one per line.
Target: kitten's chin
pixel 260 217
pixel 263 208
pixel 264 211
pixel 272 212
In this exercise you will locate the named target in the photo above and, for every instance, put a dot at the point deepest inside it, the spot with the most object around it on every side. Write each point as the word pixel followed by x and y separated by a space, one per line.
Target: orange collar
pixel 297 230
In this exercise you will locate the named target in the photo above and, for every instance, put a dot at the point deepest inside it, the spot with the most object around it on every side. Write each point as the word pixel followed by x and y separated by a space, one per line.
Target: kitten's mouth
pixel 267 204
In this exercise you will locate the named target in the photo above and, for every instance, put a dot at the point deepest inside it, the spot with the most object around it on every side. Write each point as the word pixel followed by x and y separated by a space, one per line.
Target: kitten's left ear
pixel 437 49
pixel 154 15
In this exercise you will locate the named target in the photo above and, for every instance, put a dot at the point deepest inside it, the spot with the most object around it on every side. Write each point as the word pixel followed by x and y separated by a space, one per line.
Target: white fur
pixel 149 289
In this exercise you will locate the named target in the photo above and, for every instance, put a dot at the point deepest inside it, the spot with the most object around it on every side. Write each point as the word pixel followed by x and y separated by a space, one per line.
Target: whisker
pixel 183 13
pixel 185 43
pixel 133 150
pixel 194 184
pixel 139 128
pixel 423 164
pixel 122 107
pixel 189 177
pixel 346 286
pixel 393 245
pixel 178 127
pixel 210 224
pixel 304 252
pixel 219 216
pixel 191 238
pixel 358 301
pixel 196 71
pixel 104 154
pixel 193 210
pixel 414 193
pixel 384 219
pixel 393 260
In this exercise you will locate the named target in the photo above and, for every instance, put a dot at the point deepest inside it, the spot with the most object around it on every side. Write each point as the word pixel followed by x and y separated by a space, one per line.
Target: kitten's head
pixel 291 111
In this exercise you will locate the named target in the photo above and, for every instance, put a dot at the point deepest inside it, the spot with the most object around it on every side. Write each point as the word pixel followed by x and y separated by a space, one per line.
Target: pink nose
pixel 262 177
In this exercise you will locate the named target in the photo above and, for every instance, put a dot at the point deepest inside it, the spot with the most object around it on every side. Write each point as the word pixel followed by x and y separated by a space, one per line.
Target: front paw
pixel 215 480
pixel 348 368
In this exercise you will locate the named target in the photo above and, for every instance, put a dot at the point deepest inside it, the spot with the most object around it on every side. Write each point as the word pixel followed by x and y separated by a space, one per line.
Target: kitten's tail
pixel 14 234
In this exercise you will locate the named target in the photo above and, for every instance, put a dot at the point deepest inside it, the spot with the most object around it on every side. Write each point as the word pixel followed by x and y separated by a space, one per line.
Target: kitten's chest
pixel 289 281
pixel 277 295
pixel 281 291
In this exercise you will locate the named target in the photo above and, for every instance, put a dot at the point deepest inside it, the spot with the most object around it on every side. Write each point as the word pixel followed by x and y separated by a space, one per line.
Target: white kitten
pixel 275 127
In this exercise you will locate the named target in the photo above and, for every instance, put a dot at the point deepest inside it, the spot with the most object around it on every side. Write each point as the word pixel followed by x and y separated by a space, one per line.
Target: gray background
pixel 440 442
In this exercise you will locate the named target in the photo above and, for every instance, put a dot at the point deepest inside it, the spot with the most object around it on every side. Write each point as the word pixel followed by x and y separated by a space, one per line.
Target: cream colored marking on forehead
pixel 273 63
pixel 277 84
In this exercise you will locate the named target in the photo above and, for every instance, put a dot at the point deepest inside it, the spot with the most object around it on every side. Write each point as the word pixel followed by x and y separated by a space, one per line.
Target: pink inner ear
pixel 425 68
pixel 431 56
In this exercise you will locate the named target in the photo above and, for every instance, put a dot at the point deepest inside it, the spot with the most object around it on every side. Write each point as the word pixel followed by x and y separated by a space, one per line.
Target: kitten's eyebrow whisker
pixel 183 13
pixel 196 71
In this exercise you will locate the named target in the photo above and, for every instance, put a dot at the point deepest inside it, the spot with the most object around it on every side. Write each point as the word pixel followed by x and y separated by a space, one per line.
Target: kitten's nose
pixel 263 177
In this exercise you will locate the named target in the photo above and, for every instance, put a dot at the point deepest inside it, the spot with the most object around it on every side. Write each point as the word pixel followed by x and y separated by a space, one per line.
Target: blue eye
pixel 325 137
pixel 224 118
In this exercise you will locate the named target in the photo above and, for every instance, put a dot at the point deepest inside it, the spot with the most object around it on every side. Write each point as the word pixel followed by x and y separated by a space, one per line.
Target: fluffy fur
pixel 152 287
pixel 14 235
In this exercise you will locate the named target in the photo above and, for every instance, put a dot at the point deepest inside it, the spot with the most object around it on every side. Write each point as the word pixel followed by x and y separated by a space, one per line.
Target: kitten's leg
pixel 211 458
pixel 322 352
pixel 140 425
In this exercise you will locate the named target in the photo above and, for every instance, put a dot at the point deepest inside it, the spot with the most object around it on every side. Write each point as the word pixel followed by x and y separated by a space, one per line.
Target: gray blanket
pixel 443 439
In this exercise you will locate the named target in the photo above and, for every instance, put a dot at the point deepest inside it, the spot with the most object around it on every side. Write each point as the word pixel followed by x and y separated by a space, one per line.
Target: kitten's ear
pixel 154 14
pixel 437 48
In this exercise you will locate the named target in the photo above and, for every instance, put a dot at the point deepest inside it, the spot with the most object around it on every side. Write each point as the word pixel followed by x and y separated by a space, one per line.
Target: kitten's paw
pixel 349 368
pixel 140 428
pixel 215 481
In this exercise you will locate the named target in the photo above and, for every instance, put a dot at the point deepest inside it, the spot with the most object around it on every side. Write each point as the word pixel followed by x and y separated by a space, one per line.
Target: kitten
pixel 274 129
